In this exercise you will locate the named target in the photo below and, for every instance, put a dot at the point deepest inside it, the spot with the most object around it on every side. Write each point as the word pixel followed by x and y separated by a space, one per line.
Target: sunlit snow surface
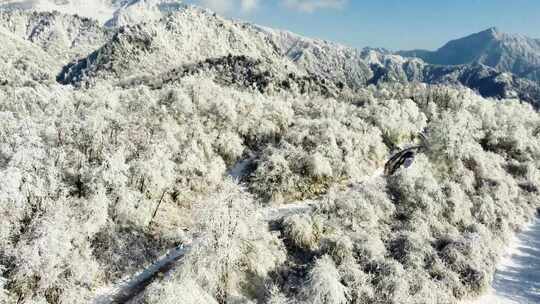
pixel 517 279
pixel 102 10
pixel 129 287
pixel 108 12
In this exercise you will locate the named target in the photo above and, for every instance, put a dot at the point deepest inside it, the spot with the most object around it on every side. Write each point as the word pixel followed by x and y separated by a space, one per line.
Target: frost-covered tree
pixel 325 285
pixel 99 179
pixel 233 254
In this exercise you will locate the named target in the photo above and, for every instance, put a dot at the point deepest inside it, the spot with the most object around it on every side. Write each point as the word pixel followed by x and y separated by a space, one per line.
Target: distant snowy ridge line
pixel 157 46
pixel 111 13
pixel 101 10
pixel 512 53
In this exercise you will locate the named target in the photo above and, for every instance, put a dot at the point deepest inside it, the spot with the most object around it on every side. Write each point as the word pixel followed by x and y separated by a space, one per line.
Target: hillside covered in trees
pixel 120 143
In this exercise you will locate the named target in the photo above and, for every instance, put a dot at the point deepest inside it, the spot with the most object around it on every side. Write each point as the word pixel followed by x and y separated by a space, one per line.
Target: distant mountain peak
pixel 513 53
pixel 492 32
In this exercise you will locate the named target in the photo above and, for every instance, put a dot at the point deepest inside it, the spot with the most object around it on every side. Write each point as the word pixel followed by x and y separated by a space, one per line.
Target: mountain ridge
pixel 513 53
pixel 188 35
pixel 136 51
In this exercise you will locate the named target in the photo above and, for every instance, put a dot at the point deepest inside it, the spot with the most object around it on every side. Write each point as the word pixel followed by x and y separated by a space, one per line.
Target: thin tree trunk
pixel 157 208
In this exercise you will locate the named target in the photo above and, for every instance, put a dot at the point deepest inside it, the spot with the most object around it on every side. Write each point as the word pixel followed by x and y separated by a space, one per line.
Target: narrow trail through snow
pixel 517 279
pixel 128 288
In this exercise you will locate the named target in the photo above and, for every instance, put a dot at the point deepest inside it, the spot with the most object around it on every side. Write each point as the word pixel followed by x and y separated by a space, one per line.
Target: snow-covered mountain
pixel 319 57
pixel 172 129
pixel 22 63
pixel 101 10
pixel 192 35
pixel 151 37
pixel 189 36
pixel 110 12
pixel 135 11
pixel 511 53
pixel 64 37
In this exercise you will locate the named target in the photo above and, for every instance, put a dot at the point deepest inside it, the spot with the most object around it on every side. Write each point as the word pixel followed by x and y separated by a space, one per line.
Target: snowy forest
pixel 119 144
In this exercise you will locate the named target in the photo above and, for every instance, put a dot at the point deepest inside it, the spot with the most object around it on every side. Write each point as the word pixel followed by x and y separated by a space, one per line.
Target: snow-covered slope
pixel 64 37
pixel 517 279
pixel 99 178
pixel 185 37
pixel 101 10
pixel 319 57
pixel 351 66
pixel 110 12
pixel 136 11
pixel 24 64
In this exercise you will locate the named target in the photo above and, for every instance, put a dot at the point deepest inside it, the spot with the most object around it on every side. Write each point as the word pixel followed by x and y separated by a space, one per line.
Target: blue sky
pixel 393 24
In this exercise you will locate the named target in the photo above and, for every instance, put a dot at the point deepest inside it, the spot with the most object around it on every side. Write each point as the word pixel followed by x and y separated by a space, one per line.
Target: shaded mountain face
pixel 516 54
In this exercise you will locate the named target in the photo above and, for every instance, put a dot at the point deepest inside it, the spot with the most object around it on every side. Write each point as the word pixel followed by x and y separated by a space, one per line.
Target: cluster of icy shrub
pixel 232 257
pixel 97 182
pixel 327 142
pixel 109 178
pixel 430 233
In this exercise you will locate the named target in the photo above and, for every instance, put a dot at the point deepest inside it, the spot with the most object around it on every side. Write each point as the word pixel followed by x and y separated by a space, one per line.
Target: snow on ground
pixel 517 279
pixel 112 13
pixel 136 11
pixel 129 287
